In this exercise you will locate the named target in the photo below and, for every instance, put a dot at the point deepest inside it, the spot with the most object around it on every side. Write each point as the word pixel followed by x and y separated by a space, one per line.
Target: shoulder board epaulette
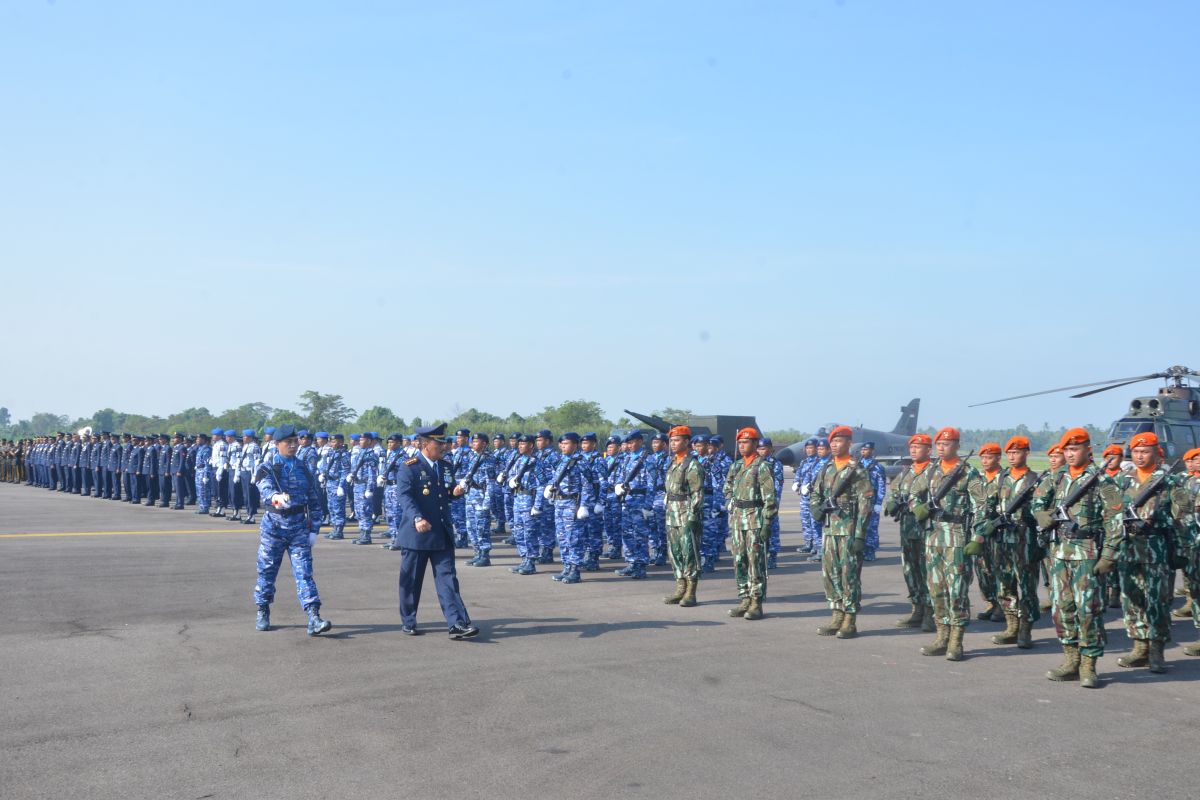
pixel 408 462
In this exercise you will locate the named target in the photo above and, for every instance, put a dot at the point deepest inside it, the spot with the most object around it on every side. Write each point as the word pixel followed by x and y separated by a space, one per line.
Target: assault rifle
pixel 948 481
pixel 1007 517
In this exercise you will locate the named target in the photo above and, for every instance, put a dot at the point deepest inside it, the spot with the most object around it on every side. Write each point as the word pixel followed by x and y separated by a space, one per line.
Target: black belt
pixel 290 512
pixel 523 491
pixel 678 497
pixel 635 491
pixel 709 491
pixel 953 519
pixel 391 483
pixel 747 503
pixel 565 496
pixel 1077 535
pixel 473 485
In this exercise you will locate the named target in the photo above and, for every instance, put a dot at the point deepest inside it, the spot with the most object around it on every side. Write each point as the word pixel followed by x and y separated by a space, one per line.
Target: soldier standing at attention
pixel 912 537
pixel 802 473
pixel 500 453
pixel 364 466
pixel 822 458
pixel 1158 514
pixel 943 498
pixel 1190 550
pixel 843 496
pixel 634 488
pixel 684 505
pixel 204 476
pixel 477 476
pixel 334 470
pixel 524 481
pixel 660 459
pixel 985 560
pixel 765 449
pixel 459 455
pixel 1057 464
pixel 178 469
pixel 879 481
pixel 749 493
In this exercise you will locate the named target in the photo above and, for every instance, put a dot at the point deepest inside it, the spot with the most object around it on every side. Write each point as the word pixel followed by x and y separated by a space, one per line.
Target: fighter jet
pixel 890 447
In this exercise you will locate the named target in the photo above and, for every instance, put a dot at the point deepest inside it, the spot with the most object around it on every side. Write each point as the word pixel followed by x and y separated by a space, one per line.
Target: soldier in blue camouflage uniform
pixel 524 479
pixel 385 483
pixel 177 468
pixel 333 471
pixel 714 484
pixel 478 481
pixel 765 450
pixel 548 457
pixel 822 458
pixel 717 449
pixel 658 462
pixel 610 465
pixel 290 525
pixel 634 488
pixel 248 461
pixel 219 460
pixel 316 457
pixel 364 469
pixel 504 467
pixel 569 489
pixel 457 456
pixel 879 481
pixel 204 476
pixel 500 453
pixel 165 476
pixel 594 524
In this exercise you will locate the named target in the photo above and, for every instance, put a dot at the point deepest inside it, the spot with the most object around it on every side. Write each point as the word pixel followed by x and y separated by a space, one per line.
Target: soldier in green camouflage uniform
pixel 1146 551
pixel 1013 533
pixel 1190 550
pixel 912 537
pixel 1093 529
pixel 750 500
pixel 1057 464
pixel 985 562
pixel 842 498
pixel 685 512
pixel 946 535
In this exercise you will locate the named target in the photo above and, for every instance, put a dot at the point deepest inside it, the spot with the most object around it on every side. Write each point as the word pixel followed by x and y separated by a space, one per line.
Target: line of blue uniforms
pixel 637 504
pixel 334 468
pixel 478 478
pixel 573 495
pixel 879 481
pixel 525 481
pixel 773 544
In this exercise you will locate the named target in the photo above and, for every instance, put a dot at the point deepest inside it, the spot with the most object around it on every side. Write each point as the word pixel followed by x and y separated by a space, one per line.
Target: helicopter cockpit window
pixel 1182 436
pixel 1124 430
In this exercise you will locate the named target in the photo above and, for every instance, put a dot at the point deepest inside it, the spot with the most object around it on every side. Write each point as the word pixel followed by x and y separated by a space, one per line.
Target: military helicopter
pixel 1173 414
pixel 891 447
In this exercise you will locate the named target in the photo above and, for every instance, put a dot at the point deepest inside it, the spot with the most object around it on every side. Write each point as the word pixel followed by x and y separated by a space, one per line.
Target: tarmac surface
pixel 131 669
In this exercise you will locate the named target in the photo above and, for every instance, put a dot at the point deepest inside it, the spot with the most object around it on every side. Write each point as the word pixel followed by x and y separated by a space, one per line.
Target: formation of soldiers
pixel 1097 536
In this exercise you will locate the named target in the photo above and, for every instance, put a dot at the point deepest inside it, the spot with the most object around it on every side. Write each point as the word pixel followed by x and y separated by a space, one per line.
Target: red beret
pixel 1054 448
pixel 1017 443
pixel 920 438
pixel 1190 454
pixel 990 447
pixel 1146 439
pixel 1113 450
pixel 841 430
pixel 951 434
pixel 1075 436
pixel 747 433
pixel 680 430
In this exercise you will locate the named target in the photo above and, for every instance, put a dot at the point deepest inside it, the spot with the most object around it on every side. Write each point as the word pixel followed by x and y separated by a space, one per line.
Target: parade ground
pixel 131 669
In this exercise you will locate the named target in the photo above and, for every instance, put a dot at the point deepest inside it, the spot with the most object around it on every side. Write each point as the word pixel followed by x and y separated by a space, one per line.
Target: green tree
pixel 5 417
pixel 381 420
pixel 326 412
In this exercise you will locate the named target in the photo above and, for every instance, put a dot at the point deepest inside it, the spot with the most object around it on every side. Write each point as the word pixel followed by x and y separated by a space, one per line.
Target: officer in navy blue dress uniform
pixel 426 535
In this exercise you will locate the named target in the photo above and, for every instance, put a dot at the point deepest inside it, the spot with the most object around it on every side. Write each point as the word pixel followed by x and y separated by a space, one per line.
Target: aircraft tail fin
pixel 907 424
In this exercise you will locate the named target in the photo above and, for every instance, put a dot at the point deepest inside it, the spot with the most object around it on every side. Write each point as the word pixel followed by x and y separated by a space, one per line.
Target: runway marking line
pixel 113 533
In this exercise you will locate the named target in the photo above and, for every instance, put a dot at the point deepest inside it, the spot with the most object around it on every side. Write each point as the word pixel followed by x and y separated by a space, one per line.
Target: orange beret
pixel 680 430
pixel 841 430
pixel 1190 454
pixel 990 447
pixel 1017 443
pixel 920 438
pixel 1146 439
pixel 1075 436
pixel 747 433
pixel 951 434
pixel 1113 450
pixel 1054 448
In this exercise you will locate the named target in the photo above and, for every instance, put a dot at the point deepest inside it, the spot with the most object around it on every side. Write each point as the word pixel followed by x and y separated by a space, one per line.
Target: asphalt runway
pixel 131 669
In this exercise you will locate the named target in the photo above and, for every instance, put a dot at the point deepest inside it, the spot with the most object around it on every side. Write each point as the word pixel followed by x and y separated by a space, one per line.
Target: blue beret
pixel 302 432
pixel 203 436
pixel 462 432
pixel 268 429
pixel 339 437
pixel 215 432
pixel 870 445
pixel 525 438
pixel 765 442
pixel 545 433
pixel 231 432
pixel 810 440
pixel 660 437
pixel 354 437
pixel 248 432
pixel 822 442
pixel 431 430
pixel 322 435
pixel 634 436
pixel 589 437
pixel 515 435
pixel 699 438
pixel 368 435
pixel 393 437
pixel 613 440
pixel 569 436
pixel 180 434
pixel 285 431
pixel 499 437
pixel 479 436
pixel 716 439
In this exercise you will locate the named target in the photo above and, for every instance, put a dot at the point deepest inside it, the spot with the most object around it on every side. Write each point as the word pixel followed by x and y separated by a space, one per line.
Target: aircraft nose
pixel 786 456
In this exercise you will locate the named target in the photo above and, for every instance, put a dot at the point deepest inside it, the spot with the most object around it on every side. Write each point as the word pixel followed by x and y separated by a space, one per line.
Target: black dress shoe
pixel 407 631
pixel 463 631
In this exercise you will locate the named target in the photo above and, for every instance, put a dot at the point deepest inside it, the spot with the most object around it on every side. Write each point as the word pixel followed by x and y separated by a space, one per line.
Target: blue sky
pixel 804 210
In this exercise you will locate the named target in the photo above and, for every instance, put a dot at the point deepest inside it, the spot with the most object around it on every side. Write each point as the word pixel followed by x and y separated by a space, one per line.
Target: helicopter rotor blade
pixel 1106 388
pixel 1117 381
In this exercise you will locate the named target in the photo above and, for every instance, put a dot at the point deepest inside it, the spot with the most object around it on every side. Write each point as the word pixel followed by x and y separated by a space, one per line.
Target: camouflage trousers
pixel 749 547
pixel 984 566
pixel 912 558
pixel 1191 577
pixel 1078 605
pixel 683 545
pixel 1146 591
pixel 948 575
pixel 841 572
pixel 1017 564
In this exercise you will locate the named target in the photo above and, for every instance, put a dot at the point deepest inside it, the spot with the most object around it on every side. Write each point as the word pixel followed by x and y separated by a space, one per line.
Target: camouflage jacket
pixel 1169 514
pixel 896 505
pixel 1097 513
pixel 685 491
pixel 851 512
pixel 1022 522
pixel 949 526
pixel 749 492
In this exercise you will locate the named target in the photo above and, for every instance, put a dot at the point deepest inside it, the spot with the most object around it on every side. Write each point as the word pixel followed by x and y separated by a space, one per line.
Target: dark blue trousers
pixel 180 490
pixel 412 576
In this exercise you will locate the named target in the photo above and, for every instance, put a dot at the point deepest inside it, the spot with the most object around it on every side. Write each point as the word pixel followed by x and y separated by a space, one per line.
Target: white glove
pixel 582 513
pixel 237 477
pixel 879 508
pixel 368 493
pixel 481 509
pixel 340 492
pixel 804 490
pixel 312 538
pixel 462 485
pixel 534 512
pixel 647 514
pixel 349 480
pixel 380 481
pixel 321 479
pixel 548 493
pixel 280 500
pixel 220 473
pixel 598 508
pixel 728 507
pixel 619 489
pixel 513 483
pixel 500 479
pixel 796 487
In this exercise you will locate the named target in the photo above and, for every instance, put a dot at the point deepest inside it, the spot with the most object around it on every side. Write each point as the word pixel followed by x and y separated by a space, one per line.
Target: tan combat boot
pixel 680 589
pixel 755 610
pixel 1069 670
pixel 1192 649
pixel 990 613
pixel 740 611
pixel 1184 610
pixel 1088 678
pixel 954 648
pixel 689 595
pixel 913 620
pixel 848 630
pixel 1139 657
pixel 1010 630
pixel 1024 634
pixel 1114 597
pixel 928 624
pixel 938 647
pixel 1156 661
pixel 835 624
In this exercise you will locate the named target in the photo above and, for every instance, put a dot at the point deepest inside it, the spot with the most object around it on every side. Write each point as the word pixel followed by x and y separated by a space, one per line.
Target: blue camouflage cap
pixel 462 432
pixel 867 446
pixel 515 435
pixel 302 432
pixel 545 433
pixel 699 438
pixel 479 436
pixel 635 436
pixel 285 431
pixel 765 442
pixel 660 437
pixel 716 438
pixel 525 438
pixel 394 437
pixel 812 440
pixel 822 442
pixel 613 440
pixel 589 437
pixel 569 436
